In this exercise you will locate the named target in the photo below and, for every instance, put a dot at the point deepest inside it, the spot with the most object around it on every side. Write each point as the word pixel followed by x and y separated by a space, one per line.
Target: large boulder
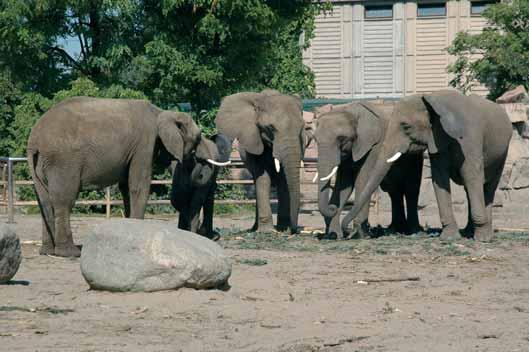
pixel 10 255
pixel 148 255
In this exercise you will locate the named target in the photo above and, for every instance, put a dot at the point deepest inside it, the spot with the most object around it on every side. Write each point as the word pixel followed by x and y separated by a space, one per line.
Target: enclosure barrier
pixel 9 193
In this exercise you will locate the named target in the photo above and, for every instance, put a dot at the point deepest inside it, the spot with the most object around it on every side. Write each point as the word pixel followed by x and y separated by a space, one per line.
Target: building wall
pixel 355 57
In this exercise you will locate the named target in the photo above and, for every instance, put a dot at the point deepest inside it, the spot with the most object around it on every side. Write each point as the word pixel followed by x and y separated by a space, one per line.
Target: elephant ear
pixel 368 130
pixel 223 144
pixel 171 127
pixel 237 118
pixel 450 112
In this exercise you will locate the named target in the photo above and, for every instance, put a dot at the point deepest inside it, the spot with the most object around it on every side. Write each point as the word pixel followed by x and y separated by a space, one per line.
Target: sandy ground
pixel 287 294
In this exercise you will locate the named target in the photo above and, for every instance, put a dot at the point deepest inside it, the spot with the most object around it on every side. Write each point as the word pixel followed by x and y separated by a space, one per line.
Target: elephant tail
pixel 41 190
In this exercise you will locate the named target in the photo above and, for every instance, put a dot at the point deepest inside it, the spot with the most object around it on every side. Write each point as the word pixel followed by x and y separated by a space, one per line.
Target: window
pixel 430 10
pixel 375 12
pixel 477 7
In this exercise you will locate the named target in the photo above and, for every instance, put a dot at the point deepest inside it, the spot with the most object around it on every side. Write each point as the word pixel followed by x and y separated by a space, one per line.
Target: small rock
pixel 10 255
pixel 148 255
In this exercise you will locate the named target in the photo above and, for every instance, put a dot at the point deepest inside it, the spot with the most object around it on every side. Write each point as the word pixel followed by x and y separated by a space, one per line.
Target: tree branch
pixel 68 58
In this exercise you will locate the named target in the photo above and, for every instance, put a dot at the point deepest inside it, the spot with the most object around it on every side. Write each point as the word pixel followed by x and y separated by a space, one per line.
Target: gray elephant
pixel 195 182
pixel 467 138
pixel 88 143
pixel 270 129
pixel 348 139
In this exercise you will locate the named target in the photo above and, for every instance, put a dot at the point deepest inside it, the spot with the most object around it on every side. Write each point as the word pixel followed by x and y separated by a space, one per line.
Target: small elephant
pixel 89 143
pixel 195 182
pixel 270 129
pixel 348 137
pixel 467 138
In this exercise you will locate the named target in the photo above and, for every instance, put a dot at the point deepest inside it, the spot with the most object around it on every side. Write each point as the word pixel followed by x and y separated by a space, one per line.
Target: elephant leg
pixel 441 185
pixel 343 189
pixel 184 220
pixel 361 222
pixel 63 195
pixel 398 216
pixel 412 213
pixel 206 229
pixel 264 215
pixel 139 183
pixel 47 241
pixel 468 231
pixel 124 189
pixel 283 208
pixel 473 179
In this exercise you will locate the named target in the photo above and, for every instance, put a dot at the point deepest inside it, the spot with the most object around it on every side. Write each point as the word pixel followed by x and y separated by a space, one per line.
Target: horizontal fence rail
pixel 8 185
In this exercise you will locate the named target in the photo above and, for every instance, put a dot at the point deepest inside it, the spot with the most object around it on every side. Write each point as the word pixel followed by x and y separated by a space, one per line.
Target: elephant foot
pixel 414 229
pixel 266 228
pixel 67 250
pixel 47 249
pixel 469 230
pixel 331 235
pixel 450 233
pixel 483 234
pixel 360 231
pixel 397 228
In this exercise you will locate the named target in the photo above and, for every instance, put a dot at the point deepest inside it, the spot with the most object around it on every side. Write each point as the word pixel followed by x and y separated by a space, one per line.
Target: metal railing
pixel 10 200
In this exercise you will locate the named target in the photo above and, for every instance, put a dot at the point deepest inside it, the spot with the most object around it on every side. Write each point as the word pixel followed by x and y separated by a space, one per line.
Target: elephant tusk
pixel 216 163
pixel 394 157
pixel 277 164
pixel 328 177
pixel 302 164
pixel 315 178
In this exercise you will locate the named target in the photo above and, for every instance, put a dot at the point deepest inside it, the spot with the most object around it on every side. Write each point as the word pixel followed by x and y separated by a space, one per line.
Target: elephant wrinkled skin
pixel 194 185
pixel 348 137
pixel 270 129
pixel 467 138
pixel 90 143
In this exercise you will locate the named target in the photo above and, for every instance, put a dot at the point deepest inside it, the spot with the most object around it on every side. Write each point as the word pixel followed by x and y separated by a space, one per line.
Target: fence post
pixel 107 198
pixel 10 193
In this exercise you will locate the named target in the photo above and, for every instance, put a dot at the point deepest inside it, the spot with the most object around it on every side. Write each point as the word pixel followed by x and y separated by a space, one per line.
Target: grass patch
pixel 253 262
pixel 231 209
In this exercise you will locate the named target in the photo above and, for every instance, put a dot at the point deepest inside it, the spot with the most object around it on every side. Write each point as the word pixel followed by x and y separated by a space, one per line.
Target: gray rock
pixel 10 255
pixel 148 255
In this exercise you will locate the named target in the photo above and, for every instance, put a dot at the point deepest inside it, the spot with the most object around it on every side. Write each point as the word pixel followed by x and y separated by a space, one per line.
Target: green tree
pixel 503 50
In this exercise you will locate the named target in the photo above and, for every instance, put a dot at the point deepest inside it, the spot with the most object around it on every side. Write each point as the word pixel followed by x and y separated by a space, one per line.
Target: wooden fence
pixel 8 185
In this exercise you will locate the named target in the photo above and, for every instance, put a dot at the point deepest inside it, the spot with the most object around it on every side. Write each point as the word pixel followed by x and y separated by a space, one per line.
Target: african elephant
pixel 467 138
pixel 348 138
pixel 195 182
pixel 270 129
pixel 89 143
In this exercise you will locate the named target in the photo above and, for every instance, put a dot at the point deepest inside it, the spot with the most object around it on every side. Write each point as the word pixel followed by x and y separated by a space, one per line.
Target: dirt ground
pixel 287 294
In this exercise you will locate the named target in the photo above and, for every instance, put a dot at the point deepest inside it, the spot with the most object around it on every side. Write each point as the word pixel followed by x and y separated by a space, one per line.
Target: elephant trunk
pixel 327 162
pixel 384 161
pixel 290 159
pixel 201 174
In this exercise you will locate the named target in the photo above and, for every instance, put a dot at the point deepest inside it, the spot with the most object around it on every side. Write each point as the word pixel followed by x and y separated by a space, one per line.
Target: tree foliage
pixel 168 51
pixel 499 56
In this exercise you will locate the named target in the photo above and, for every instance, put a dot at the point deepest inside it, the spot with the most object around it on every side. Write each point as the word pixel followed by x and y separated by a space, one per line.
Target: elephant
pixel 87 143
pixel 270 130
pixel 467 138
pixel 348 137
pixel 194 185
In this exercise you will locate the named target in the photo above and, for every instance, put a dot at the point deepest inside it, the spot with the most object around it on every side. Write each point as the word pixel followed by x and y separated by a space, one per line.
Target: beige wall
pixel 351 57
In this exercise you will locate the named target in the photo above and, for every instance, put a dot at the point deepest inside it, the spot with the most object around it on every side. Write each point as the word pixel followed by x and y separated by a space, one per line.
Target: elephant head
pixel 344 134
pixel 178 133
pixel 209 155
pixel 268 120
pixel 418 123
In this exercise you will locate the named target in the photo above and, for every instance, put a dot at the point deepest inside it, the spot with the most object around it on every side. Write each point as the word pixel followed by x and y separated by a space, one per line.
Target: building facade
pixel 386 49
